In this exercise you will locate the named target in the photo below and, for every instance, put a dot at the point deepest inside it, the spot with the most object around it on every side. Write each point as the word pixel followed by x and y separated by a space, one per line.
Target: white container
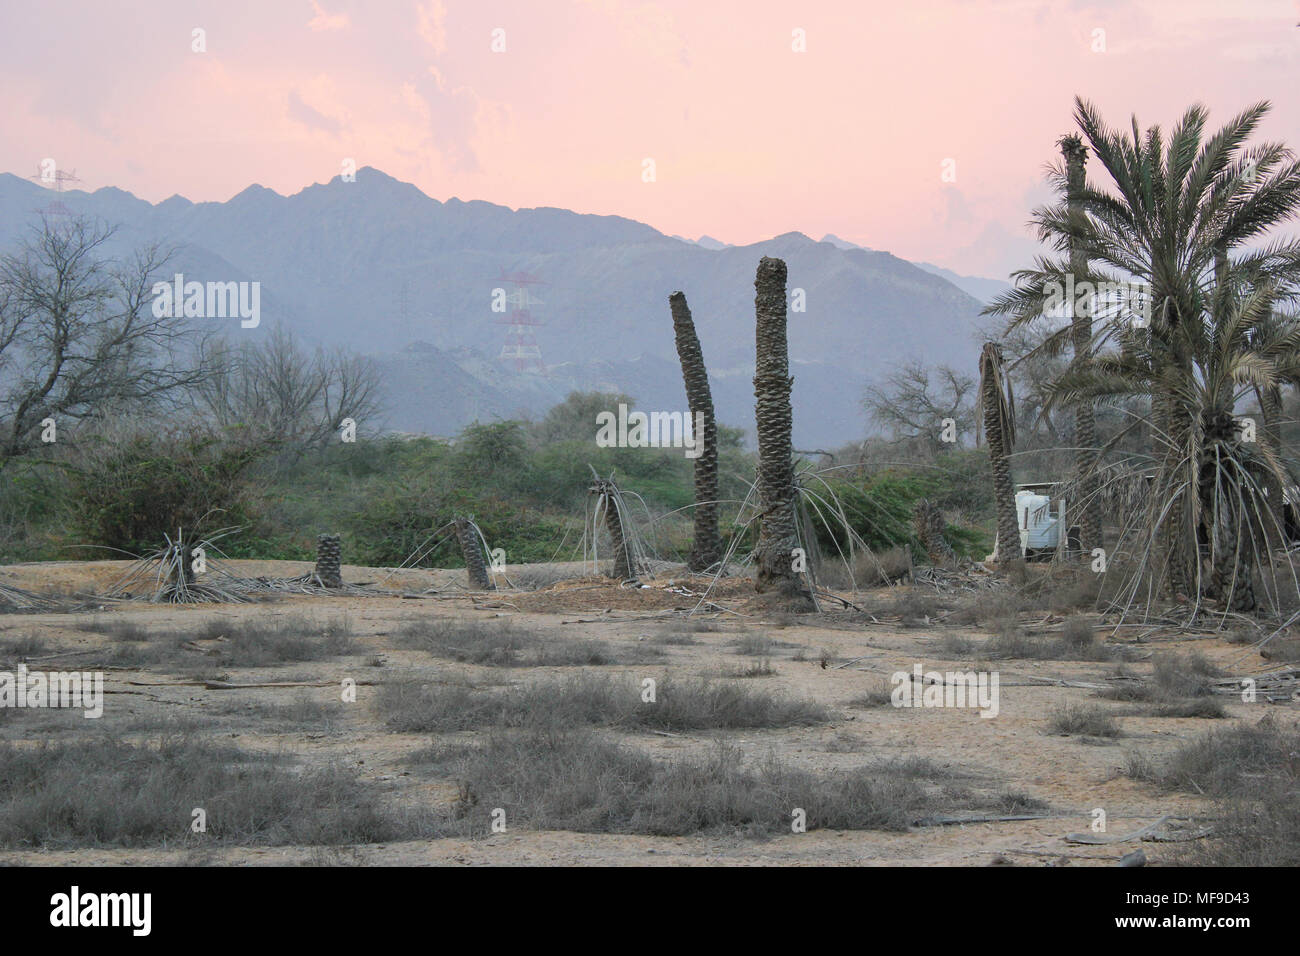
pixel 1039 529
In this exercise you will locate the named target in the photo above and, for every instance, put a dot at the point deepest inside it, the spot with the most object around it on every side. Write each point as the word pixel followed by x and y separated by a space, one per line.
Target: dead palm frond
pixel 609 507
pixel 185 571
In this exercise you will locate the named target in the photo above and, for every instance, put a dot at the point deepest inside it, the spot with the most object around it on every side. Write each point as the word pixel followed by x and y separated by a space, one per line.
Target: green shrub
pixel 130 494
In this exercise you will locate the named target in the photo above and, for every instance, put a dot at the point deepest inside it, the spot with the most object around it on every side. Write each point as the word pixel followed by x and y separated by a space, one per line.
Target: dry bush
pixel 1079 592
pixel 989 608
pixel 1254 774
pixel 760 668
pixel 1078 632
pixel 842 743
pixel 1012 643
pixel 957 647
pixel 1226 763
pixel 1077 721
pixel 1179 687
pixel 1210 708
pixel 303 711
pixel 873 570
pixel 1281 650
pixel 22 647
pixel 1260 830
pixel 680 632
pixel 1240 635
pixel 878 695
pixel 116 628
pixel 754 645
pixel 916 607
pixel 255 643
pixel 673 637
pixel 539 576
pixel 1185 675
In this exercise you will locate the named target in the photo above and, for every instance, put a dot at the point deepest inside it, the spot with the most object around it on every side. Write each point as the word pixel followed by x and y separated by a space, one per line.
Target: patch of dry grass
pixel 505 644
pixel 580 782
pixel 593 700
pixel 105 792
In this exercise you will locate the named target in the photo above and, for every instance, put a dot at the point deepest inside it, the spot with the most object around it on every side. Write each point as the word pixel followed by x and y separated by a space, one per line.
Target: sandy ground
pixel 1071 775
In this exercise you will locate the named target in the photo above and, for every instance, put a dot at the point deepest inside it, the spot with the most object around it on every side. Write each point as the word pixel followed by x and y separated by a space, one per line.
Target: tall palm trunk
pixel 1173 447
pixel 706 543
pixel 1087 508
pixel 1175 535
pixel 1231 553
pixel 997 407
pixel 1270 404
pixel 776 491
pixel 1233 566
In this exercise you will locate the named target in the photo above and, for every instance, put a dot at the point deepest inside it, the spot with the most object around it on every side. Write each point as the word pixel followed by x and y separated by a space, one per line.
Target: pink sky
pixel 749 138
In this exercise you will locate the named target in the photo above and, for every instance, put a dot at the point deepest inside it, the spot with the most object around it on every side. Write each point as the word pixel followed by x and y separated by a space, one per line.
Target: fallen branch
pixel 1094 839
pixel 956 821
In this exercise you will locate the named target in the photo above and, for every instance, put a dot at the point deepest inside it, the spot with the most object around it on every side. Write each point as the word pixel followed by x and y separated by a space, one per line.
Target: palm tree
pixel 996 406
pixel 706 543
pixel 1075 156
pixel 1216 474
pixel 1171 221
pixel 777 538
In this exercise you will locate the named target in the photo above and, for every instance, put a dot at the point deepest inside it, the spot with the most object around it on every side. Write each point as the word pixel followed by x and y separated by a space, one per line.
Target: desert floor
pixel 831 658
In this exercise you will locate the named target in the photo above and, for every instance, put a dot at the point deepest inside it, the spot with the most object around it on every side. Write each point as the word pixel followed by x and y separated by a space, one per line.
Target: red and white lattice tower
pixel 54 178
pixel 521 347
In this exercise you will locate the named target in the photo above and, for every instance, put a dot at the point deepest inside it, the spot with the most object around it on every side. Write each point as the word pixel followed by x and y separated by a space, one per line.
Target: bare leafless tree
pixel 914 400
pixel 78 335
pixel 279 390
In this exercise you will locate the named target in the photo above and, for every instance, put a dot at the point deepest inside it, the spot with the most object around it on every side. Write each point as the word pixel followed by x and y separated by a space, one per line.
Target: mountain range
pixel 377 266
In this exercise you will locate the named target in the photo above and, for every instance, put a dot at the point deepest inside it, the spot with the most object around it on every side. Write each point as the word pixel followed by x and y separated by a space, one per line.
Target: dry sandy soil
pixel 830 658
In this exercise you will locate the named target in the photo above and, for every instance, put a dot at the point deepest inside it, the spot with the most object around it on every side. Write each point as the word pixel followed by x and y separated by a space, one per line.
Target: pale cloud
pixel 327 22
pixel 649 25
pixel 431 24
pixel 309 116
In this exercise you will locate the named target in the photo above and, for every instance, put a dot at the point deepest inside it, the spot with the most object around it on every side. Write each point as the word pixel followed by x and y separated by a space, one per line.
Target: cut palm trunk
pixel 329 561
pixel 928 522
pixel 706 543
pixel 608 497
pixel 997 407
pixel 777 536
pixel 471 547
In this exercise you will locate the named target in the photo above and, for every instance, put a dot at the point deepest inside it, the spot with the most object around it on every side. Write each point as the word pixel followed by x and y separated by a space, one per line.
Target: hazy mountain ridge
pixel 336 262
pixel 979 287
